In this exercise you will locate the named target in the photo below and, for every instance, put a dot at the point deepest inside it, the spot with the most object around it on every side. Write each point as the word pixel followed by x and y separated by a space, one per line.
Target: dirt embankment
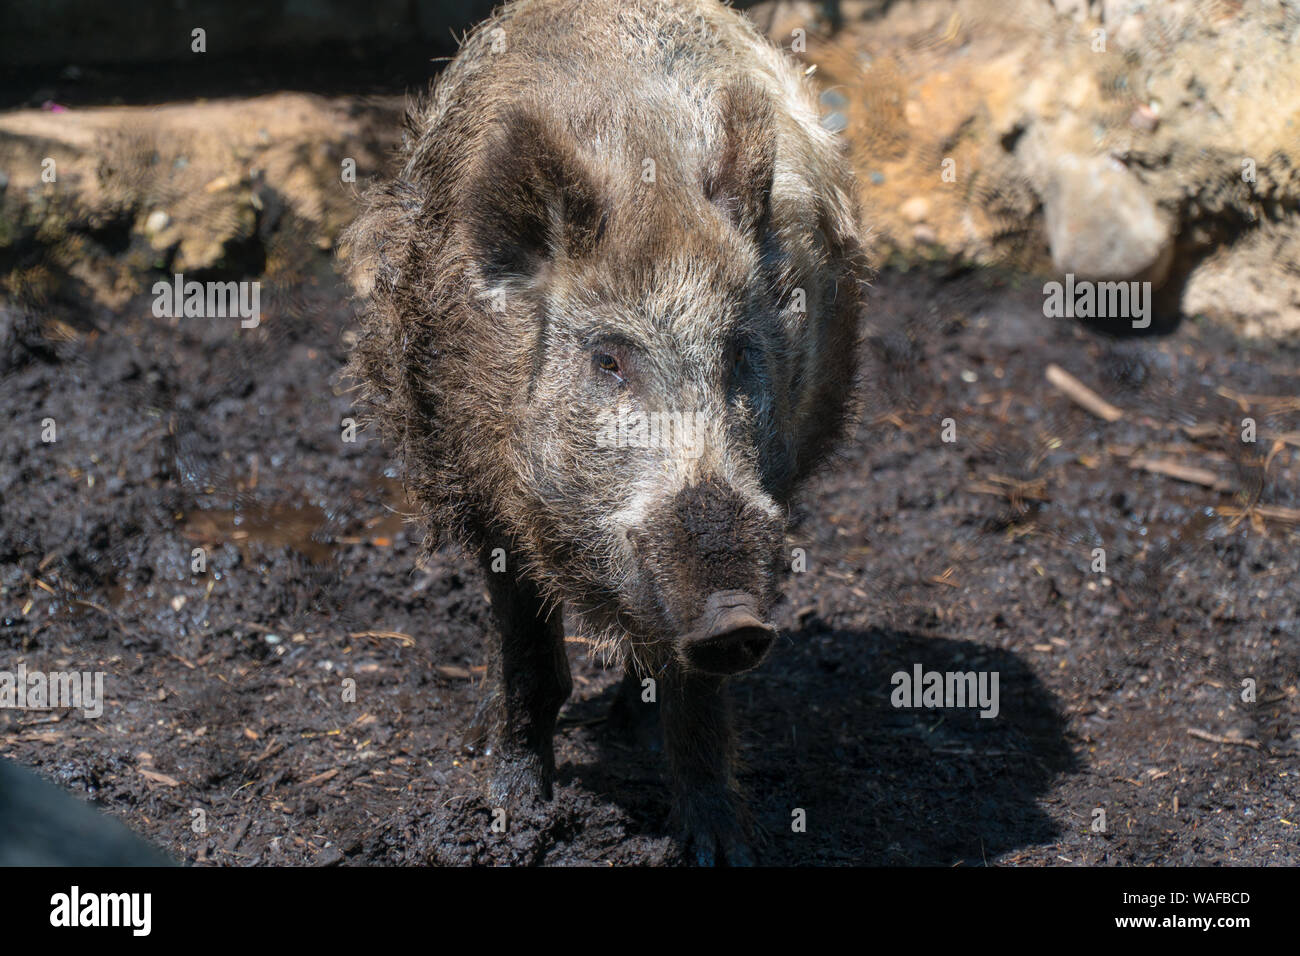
pixel 1112 141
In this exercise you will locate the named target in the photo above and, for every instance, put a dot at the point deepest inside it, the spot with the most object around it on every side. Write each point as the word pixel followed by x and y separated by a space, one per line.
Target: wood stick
pixel 1217 739
pixel 406 640
pixel 1272 512
pixel 1082 395
pixel 1188 473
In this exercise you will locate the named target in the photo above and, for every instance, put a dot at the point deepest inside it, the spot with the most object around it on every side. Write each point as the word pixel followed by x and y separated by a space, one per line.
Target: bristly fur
pixel 635 185
pixel 690 85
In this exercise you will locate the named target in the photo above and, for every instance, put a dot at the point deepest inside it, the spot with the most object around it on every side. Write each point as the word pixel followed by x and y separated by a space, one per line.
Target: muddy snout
pixel 730 636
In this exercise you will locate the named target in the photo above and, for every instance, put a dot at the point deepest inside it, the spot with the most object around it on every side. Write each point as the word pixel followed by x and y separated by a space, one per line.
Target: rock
pixel 916 209
pixel 1248 285
pixel 1101 224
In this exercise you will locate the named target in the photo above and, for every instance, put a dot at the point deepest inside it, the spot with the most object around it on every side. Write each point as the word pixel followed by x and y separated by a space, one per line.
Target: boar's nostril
pixel 731 637
pixel 752 642
pixel 730 652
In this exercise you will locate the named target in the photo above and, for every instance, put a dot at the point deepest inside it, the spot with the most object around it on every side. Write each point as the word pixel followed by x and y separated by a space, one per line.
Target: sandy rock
pixel 1246 285
pixel 1101 223
pixel 916 209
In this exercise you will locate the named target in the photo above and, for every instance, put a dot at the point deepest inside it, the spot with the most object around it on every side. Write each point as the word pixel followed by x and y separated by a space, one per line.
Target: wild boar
pixel 608 214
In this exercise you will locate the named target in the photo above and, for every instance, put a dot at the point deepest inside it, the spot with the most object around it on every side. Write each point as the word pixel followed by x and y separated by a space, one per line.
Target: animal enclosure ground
pixel 1120 690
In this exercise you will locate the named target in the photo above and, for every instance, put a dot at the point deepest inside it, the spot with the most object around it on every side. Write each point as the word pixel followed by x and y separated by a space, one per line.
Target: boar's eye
pixel 609 364
pixel 741 360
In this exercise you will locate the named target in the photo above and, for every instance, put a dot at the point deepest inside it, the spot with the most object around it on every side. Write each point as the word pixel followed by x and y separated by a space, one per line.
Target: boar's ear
pixel 740 178
pixel 531 198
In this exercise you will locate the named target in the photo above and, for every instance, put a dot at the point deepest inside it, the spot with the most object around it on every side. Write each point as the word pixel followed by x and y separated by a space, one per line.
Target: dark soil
pixel 1120 691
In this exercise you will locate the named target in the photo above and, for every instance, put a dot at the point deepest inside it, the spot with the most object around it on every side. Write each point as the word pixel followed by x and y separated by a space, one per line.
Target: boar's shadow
pixel 878 785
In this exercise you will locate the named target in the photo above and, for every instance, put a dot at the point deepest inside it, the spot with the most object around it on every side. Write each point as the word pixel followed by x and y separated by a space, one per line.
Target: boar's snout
pixel 730 636
pixel 708 560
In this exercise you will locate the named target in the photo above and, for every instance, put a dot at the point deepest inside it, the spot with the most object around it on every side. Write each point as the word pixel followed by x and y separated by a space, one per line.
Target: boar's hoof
pixel 710 848
pixel 729 637
pixel 712 829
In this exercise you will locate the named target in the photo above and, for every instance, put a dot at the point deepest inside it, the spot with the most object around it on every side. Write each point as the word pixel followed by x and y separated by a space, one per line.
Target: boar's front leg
pixel 698 735
pixel 529 682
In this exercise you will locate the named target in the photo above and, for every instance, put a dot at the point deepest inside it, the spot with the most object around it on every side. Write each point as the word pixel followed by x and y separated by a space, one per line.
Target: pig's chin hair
pixel 607 626
pixel 616 633
pixel 608 640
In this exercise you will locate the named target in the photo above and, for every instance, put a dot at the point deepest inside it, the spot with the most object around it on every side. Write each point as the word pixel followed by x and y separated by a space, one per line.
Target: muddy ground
pixel 1120 691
